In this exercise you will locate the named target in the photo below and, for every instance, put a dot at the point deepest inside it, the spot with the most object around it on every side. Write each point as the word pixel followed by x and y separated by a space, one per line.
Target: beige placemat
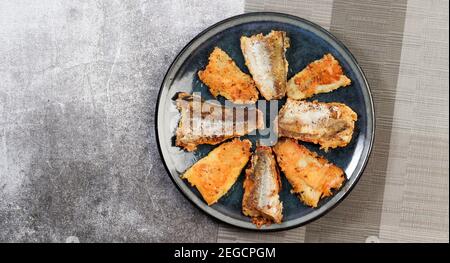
pixel 403 195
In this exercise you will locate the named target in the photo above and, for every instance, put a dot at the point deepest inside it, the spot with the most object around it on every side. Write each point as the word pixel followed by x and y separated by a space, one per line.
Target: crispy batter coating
pixel 321 76
pixel 310 175
pixel 216 173
pixel 224 78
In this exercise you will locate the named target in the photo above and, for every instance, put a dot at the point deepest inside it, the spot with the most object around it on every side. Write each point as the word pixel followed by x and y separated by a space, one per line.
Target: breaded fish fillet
pixel 214 175
pixel 261 187
pixel 329 124
pixel 224 78
pixel 266 60
pixel 211 123
pixel 310 175
pixel 321 76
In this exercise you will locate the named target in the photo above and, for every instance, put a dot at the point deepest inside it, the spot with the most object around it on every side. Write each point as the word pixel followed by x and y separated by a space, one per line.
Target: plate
pixel 309 42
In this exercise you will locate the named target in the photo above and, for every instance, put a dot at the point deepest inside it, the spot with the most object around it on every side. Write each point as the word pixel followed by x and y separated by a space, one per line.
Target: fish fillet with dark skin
pixel 266 61
pixel 312 177
pixel 330 125
pixel 211 123
pixel 262 184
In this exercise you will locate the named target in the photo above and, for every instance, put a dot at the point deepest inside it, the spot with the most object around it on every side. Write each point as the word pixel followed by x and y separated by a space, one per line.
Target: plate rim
pixel 370 119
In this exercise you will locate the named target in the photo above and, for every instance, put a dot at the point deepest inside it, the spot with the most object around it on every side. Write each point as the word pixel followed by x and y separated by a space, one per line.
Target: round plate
pixel 309 42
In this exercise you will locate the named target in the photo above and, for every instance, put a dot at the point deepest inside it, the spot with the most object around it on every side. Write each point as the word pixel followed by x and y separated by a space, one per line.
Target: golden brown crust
pixel 321 76
pixel 266 61
pixel 329 124
pixel 224 78
pixel 262 185
pixel 216 173
pixel 312 177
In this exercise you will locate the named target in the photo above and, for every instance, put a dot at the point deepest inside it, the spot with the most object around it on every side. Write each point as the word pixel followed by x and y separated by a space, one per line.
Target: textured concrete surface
pixel 78 87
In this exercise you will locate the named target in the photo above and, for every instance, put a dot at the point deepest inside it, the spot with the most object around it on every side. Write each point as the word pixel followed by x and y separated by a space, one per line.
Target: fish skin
pixel 211 123
pixel 262 185
pixel 266 60
pixel 330 125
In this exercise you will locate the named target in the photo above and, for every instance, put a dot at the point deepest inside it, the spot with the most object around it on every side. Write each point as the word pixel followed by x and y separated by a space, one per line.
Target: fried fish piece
pixel 211 123
pixel 321 76
pixel 329 124
pixel 216 173
pixel 224 78
pixel 262 184
pixel 310 175
pixel 266 60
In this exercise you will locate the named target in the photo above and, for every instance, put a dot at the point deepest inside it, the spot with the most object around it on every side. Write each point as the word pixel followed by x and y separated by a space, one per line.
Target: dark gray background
pixel 78 87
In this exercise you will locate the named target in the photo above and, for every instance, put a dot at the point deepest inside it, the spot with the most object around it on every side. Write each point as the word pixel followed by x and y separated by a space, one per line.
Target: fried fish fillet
pixel 329 124
pixel 211 123
pixel 321 76
pixel 262 184
pixel 310 175
pixel 224 78
pixel 216 173
pixel 266 60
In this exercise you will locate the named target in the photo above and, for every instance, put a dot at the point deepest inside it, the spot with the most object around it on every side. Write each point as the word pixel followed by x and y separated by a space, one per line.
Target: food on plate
pixel 330 125
pixel 327 124
pixel 204 122
pixel 312 177
pixel 266 61
pixel 216 173
pixel 224 78
pixel 321 76
pixel 262 184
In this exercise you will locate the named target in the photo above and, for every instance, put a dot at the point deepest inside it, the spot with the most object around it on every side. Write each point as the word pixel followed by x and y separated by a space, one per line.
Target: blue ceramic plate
pixel 308 43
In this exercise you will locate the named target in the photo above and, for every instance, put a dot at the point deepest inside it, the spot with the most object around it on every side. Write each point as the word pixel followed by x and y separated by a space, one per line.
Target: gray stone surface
pixel 78 88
